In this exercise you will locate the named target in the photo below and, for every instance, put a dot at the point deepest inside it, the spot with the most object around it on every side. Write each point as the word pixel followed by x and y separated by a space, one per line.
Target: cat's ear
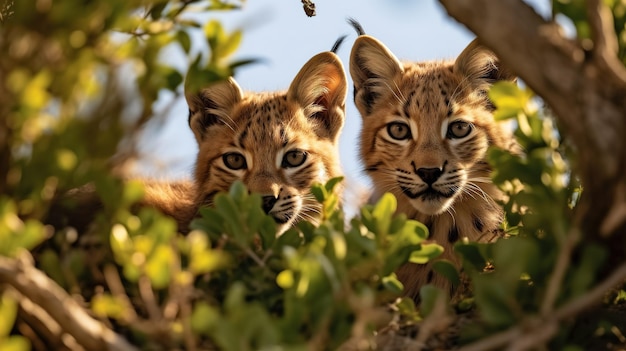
pixel 374 69
pixel 320 88
pixel 481 67
pixel 212 106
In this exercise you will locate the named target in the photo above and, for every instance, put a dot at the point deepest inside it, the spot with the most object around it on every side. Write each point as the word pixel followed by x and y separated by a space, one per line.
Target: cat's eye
pixel 459 129
pixel 234 161
pixel 399 131
pixel 293 158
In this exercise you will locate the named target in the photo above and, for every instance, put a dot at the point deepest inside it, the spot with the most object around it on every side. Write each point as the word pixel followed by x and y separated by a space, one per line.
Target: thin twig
pixel 147 295
pixel 494 341
pixel 439 319
pixel 309 7
pixel 592 297
pixel 253 256
pixel 560 268
pixel 524 337
pixel 114 283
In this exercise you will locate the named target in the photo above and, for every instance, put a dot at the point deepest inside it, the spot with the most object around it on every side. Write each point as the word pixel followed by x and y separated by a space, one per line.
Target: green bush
pixel 67 118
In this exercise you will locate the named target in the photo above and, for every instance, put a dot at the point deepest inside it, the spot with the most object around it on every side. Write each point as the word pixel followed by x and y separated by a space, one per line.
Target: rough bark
pixel 585 86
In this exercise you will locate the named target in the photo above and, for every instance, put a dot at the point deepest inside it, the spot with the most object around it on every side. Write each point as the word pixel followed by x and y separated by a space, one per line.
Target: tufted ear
pixel 373 69
pixel 320 88
pixel 212 106
pixel 481 67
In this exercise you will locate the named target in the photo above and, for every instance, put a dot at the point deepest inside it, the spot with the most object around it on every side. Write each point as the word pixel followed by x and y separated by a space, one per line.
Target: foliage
pixel 308 286
pixel 75 91
pixel 543 263
pixel 8 313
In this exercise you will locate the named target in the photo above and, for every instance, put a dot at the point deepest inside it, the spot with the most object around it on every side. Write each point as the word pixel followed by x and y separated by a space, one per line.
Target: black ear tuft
pixel 356 25
pixel 338 43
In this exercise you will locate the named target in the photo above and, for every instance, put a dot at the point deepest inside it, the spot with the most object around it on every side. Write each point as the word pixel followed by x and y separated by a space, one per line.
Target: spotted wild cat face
pixel 278 144
pixel 426 126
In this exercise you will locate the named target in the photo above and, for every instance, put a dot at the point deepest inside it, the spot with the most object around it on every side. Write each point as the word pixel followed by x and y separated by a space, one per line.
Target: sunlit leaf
pixel 15 343
pixel 8 313
pixel 204 318
pixel 426 253
pixel 110 306
pixel 383 212
pixel 392 283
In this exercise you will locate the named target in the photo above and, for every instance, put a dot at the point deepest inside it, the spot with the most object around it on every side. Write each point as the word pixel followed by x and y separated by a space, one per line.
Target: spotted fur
pixel 426 130
pixel 279 144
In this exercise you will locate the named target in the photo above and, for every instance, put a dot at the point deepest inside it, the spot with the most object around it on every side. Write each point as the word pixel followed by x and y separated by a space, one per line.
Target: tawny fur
pixel 422 100
pixel 271 133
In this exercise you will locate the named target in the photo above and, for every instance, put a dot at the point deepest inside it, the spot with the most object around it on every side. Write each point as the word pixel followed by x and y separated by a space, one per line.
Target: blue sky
pixel 284 38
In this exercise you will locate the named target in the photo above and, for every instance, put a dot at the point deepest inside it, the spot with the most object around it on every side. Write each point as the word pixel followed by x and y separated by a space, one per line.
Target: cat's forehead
pixel 266 120
pixel 430 88
pixel 428 79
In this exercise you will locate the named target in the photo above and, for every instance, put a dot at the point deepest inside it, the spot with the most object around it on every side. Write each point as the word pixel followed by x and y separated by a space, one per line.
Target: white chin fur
pixel 281 228
pixel 432 207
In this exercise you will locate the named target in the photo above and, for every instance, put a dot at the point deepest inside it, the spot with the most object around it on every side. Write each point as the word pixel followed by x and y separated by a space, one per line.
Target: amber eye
pixel 399 131
pixel 234 161
pixel 293 158
pixel 459 129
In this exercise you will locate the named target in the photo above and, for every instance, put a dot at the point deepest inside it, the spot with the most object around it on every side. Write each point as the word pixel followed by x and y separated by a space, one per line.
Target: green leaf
pixel 8 313
pixel 319 192
pixel 15 343
pixel 429 297
pixel 509 99
pixel 495 300
pixel 121 244
pixel 514 256
pixel 204 318
pixel 332 184
pixel 267 231
pixel 392 283
pixel 339 244
pixel 184 40
pixel 472 258
pixel 157 9
pixel 210 221
pixel 383 213
pixel 426 253
pixel 285 279
pixel 173 80
pixel 230 45
pixel 159 266
pixel 225 205
pixel 406 308
pixel 107 305
pixel 585 274
pixel 448 270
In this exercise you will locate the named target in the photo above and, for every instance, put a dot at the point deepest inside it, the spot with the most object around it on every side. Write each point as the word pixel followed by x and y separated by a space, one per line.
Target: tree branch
pixel 531 335
pixel 605 45
pixel 42 291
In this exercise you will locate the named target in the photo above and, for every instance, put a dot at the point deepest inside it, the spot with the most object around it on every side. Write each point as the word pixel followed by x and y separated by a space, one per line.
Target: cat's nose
pixel 268 202
pixel 429 175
